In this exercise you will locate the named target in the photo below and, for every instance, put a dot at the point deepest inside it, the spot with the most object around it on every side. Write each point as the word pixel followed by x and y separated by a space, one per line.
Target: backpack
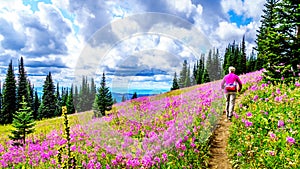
pixel 230 87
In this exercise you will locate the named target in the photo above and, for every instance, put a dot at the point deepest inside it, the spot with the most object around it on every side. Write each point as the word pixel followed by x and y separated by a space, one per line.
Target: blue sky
pixel 137 50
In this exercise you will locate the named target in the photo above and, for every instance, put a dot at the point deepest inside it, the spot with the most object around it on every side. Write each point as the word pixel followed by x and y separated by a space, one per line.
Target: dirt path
pixel 219 159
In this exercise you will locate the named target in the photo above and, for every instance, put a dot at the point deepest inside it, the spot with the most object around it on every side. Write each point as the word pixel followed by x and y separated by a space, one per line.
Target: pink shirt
pixel 230 79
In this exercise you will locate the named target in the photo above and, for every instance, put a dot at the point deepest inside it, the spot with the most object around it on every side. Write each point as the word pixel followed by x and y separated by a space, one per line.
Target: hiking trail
pixel 218 155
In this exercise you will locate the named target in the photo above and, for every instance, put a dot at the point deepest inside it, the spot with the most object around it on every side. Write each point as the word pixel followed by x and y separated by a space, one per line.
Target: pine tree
pixel 243 58
pixel 70 103
pixel 103 100
pixel 209 64
pixel 36 105
pixel 0 101
pixel 205 77
pixel 268 40
pixel 47 108
pixel 200 70
pixel 183 74
pixel 23 123
pixel 115 101
pixel 175 83
pixel 92 93
pixel 134 96
pixel 9 96
pixel 22 84
pixel 123 98
pixel 187 81
pixel 217 66
pixel 30 89
pixel 76 96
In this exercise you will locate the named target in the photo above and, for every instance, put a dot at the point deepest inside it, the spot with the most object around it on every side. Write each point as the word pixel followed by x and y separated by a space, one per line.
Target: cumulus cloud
pixel 73 38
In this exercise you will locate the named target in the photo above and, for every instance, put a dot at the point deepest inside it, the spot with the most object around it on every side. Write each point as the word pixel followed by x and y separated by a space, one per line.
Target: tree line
pixel 214 67
pixel 16 93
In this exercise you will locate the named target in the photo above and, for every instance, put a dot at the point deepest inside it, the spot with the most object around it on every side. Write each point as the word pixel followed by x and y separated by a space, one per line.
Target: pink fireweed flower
pixel 278 91
pixel 272 153
pixel 164 157
pixel 273 136
pixel 266 99
pixel 282 78
pixel 255 98
pixel 239 154
pixel 290 140
pixel 249 114
pixel 297 84
pixel 280 123
pixel 266 113
pixel 235 115
pixel 248 123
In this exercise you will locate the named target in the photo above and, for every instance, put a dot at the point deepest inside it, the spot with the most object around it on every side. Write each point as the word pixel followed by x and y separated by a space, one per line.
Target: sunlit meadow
pixel 171 130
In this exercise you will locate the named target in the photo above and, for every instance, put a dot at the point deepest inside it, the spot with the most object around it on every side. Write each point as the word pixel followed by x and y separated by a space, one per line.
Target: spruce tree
pixel 183 74
pixel 103 100
pixel 187 81
pixel 243 57
pixel 134 96
pixel 175 83
pixel 123 98
pixel 22 84
pixel 30 90
pixel 0 101
pixel 205 77
pixel 92 93
pixel 9 96
pixel 23 123
pixel 217 66
pixel 200 70
pixel 47 108
pixel 70 103
pixel 36 105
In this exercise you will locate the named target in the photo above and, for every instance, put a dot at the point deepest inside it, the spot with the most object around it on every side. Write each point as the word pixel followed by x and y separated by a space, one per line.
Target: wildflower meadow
pixel 171 130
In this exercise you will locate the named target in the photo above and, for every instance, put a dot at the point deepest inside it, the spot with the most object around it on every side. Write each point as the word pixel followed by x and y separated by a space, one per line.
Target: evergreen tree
pixel 47 108
pixel 70 103
pixel 9 96
pixel 23 123
pixel 115 101
pixel 123 98
pixel 243 58
pixel 200 70
pixel 0 100
pixel 22 84
pixel 209 64
pixel 183 74
pixel 103 100
pixel 205 77
pixel 30 89
pixel 36 105
pixel 268 41
pixel 92 92
pixel 175 83
pixel 76 96
pixel 134 96
pixel 187 82
pixel 217 66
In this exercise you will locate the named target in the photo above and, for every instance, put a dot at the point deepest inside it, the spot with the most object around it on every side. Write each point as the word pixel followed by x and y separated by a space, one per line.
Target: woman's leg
pixel 232 97
pixel 226 95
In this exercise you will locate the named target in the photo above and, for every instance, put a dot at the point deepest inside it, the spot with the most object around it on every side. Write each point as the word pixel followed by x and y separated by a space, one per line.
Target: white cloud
pixel 229 31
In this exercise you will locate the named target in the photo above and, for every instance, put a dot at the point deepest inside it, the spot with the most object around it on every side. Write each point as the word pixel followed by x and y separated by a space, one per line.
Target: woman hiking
pixel 229 84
